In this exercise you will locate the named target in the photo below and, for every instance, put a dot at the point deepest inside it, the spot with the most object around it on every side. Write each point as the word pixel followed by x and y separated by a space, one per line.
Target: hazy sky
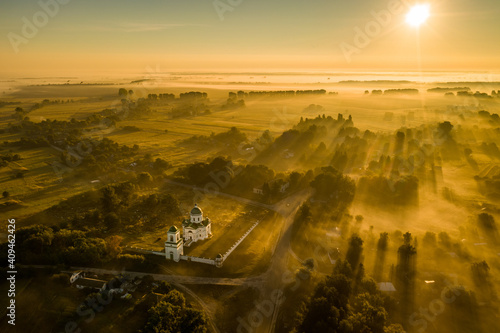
pixel 131 35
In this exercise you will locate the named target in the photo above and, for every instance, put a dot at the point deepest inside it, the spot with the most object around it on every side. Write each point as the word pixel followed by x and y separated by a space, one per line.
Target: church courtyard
pixel 229 221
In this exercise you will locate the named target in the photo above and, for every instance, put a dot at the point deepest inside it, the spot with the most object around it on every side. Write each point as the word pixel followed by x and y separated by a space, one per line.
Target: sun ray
pixel 418 15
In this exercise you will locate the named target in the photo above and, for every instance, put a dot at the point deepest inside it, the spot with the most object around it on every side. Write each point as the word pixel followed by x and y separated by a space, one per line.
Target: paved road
pixel 182 279
pixel 278 274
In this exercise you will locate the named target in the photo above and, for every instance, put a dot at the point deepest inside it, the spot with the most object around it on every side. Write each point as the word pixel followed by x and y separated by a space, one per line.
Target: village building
pixel 81 282
pixel 386 287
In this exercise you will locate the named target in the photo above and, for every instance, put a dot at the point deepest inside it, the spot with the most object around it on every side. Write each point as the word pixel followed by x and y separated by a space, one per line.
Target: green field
pixel 163 137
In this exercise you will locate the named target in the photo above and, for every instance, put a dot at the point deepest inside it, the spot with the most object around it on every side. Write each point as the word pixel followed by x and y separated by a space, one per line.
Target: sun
pixel 418 14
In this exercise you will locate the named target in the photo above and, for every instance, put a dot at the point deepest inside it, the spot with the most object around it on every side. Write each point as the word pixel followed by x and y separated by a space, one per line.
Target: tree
pixel 331 185
pixel 303 215
pixel 85 251
pixel 295 178
pixel 111 221
pixel 144 179
pixel 380 256
pixel 383 241
pixel 171 205
pixel 160 165
pixel 487 222
pixel 444 239
pixel 369 313
pixel 126 191
pixel 152 201
pixel 309 264
pixel 266 190
pixel 488 226
pixel 399 145
pixel 407 238
pixel 122 92
pixel 110 200
pixel 480 272
pixel 197 173
pixel 394 328
pixel 430 239
pixel 163 288
pixel 171 314
pixel 266 138
pixel 113 244
pixel 354 251
pixel 405 274
pixel 336 307
pixel 445 128
pixel 5 194
pixel 35 238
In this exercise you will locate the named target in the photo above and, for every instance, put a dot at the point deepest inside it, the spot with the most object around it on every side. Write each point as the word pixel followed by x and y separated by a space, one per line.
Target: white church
pixel 194 228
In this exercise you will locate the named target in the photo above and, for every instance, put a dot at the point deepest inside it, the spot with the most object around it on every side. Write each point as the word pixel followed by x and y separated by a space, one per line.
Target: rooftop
pixel 91 283
pixel 386 286
pixel 196 210
pixel 195 225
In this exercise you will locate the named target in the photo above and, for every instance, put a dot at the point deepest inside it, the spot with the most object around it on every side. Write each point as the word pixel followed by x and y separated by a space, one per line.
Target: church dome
pixel 196 210
pixel 173 229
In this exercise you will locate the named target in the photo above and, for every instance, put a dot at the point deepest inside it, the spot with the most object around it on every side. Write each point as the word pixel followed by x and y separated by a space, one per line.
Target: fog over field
pixel 250 166
pixel 359 155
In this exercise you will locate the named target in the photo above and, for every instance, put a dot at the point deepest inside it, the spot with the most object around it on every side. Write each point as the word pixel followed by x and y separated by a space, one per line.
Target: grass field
pixel 162 137
pixel 40 188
